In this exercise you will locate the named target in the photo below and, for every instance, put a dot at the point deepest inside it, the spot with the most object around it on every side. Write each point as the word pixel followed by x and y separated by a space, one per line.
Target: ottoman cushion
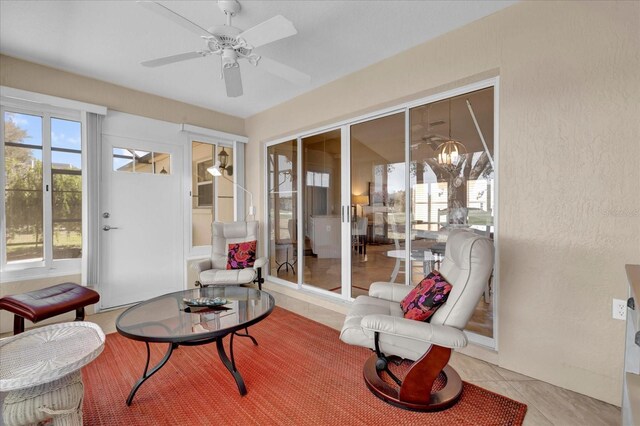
pixel 48 302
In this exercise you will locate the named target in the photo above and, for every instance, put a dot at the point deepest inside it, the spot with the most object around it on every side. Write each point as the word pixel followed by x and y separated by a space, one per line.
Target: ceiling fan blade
pixel 268 31
pixel 173 16
pixel 233 81
pixel 284 71
pixel 175 58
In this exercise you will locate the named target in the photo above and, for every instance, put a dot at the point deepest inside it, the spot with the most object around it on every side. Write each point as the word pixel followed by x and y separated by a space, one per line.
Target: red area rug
pixel 300 374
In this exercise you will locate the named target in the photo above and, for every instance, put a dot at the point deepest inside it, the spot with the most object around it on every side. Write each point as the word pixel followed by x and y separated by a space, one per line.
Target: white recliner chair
pixel 214 272
pixel 376 322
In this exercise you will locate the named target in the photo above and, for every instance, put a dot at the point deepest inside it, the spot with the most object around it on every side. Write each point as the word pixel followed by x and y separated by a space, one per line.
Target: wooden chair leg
pixel 415 391
pixel 18 324
pixel 80 314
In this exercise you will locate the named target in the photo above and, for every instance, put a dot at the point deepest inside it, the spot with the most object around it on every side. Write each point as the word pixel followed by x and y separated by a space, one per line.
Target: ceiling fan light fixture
pixel 232 44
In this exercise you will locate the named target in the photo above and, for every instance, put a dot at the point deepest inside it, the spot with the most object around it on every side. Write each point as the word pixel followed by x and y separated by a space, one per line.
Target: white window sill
pixel 70 267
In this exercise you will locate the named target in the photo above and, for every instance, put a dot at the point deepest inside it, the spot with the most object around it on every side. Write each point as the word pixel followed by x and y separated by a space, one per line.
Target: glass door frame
pixel 344 126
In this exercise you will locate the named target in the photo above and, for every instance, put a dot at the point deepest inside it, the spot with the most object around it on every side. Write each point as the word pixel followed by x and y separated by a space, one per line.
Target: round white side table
pixel 40 370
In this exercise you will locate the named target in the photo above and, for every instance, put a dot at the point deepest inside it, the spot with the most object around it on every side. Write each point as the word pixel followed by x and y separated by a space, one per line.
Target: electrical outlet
pixel 619 309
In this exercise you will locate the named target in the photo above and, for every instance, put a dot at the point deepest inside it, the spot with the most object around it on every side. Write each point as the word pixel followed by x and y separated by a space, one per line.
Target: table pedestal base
pixel 60 400
pixel 229 363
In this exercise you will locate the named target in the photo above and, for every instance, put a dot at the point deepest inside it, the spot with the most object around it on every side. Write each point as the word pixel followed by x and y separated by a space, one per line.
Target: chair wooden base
pixel 415 391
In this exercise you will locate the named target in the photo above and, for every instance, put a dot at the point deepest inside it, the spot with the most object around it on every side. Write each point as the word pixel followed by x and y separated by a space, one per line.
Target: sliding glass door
pixel 322 212
pixel 377 196
pixel 454 188
pixel 282 167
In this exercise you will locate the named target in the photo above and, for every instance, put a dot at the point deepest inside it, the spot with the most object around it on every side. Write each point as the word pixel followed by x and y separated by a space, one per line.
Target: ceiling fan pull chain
pixel 221 69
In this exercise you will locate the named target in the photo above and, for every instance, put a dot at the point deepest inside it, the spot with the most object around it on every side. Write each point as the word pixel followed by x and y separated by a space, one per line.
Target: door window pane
pixel 322 262
pixel 23 187
pixel 378 202
pixel 122 160
pixel 143 162
pixel 138 161
pixel 457 194
pixel 162 163
pixel 282 164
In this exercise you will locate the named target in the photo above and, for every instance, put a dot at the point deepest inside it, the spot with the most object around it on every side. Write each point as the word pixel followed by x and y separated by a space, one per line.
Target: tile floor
pixel 547 404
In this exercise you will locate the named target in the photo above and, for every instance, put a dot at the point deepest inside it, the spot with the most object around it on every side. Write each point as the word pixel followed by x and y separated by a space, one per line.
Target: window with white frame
pixel 42 198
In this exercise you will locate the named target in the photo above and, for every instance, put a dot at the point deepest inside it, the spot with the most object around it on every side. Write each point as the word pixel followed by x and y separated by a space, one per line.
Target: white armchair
pixel 214 271
pixel 376 322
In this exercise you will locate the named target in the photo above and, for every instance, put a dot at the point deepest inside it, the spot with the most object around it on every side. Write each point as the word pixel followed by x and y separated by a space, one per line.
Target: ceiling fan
pixel 231 44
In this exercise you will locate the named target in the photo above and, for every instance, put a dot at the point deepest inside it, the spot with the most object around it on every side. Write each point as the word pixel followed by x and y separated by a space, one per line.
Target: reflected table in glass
pixel 168 319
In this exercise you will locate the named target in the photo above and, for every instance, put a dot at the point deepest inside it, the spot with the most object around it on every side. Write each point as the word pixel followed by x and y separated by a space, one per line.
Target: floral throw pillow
pixel 425 299
pixel 241 255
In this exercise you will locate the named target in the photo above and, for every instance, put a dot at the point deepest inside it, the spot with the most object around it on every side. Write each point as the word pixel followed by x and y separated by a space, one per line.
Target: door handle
pixel 108 228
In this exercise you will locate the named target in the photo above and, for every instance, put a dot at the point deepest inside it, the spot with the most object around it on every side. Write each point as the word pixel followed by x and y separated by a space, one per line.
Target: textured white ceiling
pixel 107 40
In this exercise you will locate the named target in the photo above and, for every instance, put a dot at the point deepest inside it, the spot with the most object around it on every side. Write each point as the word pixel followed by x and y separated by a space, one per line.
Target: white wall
pixel 569 167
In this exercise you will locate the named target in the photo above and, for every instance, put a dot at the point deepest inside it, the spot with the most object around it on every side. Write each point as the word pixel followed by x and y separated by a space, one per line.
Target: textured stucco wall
pixel 50 81
pixel 569 167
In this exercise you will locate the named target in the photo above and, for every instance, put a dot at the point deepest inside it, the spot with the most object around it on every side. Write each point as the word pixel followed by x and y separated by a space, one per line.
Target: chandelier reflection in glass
pixel 451 152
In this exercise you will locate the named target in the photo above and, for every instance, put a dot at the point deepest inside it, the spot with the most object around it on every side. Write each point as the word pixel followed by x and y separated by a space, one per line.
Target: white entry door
pixel 141 247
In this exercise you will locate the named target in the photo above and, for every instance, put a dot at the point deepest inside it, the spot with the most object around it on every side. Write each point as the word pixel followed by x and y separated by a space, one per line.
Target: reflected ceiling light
pixel 451 152
pixel 215 171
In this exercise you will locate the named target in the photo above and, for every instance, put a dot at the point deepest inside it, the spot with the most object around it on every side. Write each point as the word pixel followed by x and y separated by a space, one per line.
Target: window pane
pixel 67 214
pixel 202 193
pixel 23 128
pixel 225 186
pixel 205 194
pixel 23 187
pixel 66 161
pixel 65 134
pixel 201 173
pixel 283 241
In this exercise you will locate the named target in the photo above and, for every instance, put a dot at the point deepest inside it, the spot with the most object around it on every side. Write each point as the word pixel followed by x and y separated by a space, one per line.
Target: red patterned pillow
pixel 241 255
pixel 425 299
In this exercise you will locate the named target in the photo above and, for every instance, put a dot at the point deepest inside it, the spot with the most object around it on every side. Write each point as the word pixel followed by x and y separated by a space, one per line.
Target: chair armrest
pixel 260 262
pixel 441 335
pixel 389 291
pixel 201 265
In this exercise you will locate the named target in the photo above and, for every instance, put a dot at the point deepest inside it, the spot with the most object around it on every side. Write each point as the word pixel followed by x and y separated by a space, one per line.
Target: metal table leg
pixel 231 364
pixel 145 376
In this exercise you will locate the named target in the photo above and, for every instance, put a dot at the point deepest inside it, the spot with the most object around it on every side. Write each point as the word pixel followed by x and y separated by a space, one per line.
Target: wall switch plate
pixel 619 309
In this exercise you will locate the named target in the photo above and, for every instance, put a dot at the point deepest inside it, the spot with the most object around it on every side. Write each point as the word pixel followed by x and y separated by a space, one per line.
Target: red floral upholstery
pixel 242 255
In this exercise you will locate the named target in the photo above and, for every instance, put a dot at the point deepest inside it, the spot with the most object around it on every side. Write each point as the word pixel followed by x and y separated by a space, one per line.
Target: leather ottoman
pixel 48 302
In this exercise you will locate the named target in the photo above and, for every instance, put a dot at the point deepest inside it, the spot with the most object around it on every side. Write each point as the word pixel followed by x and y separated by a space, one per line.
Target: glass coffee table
pixel 169 319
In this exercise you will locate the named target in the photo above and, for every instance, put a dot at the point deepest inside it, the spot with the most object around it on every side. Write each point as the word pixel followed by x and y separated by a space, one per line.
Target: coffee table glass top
pixel 167 318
